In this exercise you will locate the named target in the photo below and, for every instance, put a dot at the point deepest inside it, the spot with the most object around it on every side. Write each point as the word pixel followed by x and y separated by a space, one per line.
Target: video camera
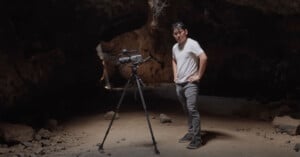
pixel 130 58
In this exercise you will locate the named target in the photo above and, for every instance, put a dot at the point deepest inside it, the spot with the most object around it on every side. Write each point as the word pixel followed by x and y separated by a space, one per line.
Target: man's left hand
pixel 194 78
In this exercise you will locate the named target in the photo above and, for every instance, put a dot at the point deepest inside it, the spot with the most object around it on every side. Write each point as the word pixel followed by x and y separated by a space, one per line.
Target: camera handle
pixel 138 81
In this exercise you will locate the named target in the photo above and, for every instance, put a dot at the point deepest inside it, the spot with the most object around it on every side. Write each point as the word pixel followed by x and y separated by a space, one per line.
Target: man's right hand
pixel 175 80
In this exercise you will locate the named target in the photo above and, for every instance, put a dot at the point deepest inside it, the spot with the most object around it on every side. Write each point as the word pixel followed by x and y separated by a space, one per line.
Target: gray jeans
pixel 188 94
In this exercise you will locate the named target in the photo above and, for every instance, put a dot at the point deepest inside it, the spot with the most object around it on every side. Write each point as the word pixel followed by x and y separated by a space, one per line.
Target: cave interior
pixel 50 68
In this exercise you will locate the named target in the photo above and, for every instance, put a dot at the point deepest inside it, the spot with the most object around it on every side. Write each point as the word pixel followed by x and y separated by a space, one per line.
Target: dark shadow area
pixel 208 136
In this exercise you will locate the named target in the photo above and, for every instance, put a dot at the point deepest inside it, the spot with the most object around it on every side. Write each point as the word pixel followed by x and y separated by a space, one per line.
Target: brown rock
pixel 297 147
pixel 286 124
pixel 15 133
pixel 43 134
pixel 164 118
pixel 109 115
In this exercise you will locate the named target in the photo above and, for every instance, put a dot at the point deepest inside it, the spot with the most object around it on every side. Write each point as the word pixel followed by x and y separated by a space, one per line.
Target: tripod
pixel 138 81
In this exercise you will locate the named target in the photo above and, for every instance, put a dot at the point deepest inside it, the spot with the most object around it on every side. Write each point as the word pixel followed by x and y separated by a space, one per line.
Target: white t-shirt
pixel 187 59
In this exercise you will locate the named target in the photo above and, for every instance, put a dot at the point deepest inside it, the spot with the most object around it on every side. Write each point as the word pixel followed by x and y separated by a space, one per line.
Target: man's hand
pixel 194 78
pixel 175 79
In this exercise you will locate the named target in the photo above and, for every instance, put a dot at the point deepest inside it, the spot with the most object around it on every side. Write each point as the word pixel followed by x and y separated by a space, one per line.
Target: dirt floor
pixel 223 135
pixel 130 137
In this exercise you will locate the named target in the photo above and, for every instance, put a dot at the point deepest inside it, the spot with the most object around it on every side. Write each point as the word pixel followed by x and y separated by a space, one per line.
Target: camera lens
pixel 124 60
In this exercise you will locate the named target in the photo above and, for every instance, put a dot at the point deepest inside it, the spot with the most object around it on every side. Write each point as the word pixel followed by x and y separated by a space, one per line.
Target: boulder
pixel 287 124
pixel 15 133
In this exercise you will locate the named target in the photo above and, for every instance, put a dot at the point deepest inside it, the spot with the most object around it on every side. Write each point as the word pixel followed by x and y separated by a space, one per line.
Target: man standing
pixel 189 63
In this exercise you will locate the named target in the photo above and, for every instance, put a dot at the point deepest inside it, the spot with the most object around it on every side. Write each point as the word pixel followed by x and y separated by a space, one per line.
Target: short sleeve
pixel 196 48
pixel 173 51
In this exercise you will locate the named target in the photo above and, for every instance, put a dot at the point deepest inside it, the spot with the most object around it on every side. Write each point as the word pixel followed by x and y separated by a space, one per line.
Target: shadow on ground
pixel 208 136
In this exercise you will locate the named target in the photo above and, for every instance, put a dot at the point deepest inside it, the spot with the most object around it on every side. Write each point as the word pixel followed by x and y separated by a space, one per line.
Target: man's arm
pixel 174 65
pixel 201 68
pixel 202 64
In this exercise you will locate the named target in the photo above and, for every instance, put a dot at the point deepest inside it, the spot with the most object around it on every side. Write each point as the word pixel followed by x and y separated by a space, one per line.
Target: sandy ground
pixel 130 137
pixel 223 134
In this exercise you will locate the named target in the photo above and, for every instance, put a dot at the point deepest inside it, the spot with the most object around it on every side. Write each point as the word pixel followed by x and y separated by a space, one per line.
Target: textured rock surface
pixel 47 49
pixel 15 133
pixel 287 124
pixel 274 6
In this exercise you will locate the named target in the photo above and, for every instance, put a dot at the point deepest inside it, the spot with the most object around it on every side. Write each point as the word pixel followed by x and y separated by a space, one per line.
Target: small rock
pixel 37 137
pixel 42 152
pixel 109 115
pixel 44 134
pixel 59 141
pixel 38 150
pixel 164 118
pixel 45 143
pixel 27 144
pixel 297 147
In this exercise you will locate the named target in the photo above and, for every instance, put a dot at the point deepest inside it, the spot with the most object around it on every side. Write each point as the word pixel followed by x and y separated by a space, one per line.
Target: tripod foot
pixel 157 151
pixel 100 146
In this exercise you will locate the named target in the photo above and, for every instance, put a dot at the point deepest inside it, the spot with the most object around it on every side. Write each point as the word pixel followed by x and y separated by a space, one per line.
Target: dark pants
pixel 188 94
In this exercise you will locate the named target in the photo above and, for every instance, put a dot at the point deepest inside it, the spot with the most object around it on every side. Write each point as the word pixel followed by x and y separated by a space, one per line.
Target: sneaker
pixel 186 138
pixel 194 144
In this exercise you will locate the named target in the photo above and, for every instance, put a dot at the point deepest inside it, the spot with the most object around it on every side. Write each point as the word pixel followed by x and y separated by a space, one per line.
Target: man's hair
pixel 178 25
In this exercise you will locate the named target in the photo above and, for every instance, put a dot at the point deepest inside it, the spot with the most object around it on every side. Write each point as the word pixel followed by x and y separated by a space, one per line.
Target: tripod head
pixel 131 56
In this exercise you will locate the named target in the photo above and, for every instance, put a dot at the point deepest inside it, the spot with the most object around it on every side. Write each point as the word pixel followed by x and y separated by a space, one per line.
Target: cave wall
pixel 252 50
pixel 47 48
pixel 252 46
pixel 283 7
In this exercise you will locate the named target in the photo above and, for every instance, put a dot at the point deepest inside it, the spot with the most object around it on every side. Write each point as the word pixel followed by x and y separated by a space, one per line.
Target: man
pixel 189 63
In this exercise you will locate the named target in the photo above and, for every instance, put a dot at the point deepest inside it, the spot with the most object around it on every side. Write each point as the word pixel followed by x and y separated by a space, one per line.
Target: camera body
pixel 134 59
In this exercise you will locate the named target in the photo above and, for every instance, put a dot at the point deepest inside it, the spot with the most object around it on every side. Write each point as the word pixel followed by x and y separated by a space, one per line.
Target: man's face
pixel 180 35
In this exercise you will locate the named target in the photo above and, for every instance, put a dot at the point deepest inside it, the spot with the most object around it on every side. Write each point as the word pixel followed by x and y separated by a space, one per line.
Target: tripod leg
pixel 146 113
pixel 114 116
